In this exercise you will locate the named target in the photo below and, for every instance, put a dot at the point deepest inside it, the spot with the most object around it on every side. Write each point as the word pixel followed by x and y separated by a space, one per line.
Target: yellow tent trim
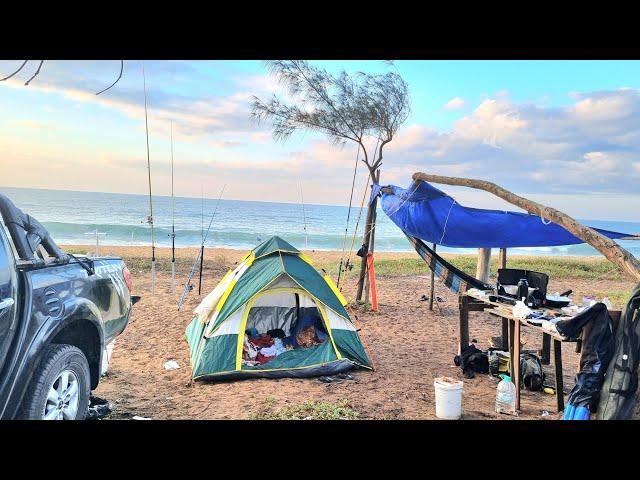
pixel 227 292
pixel 251 301
pixel 334 288
pixel 306 258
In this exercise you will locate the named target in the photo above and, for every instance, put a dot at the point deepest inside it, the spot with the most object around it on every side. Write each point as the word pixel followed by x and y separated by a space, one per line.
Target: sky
pixel 564 133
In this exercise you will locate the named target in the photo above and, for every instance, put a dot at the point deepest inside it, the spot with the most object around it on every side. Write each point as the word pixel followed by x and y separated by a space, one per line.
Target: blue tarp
pixel 427 213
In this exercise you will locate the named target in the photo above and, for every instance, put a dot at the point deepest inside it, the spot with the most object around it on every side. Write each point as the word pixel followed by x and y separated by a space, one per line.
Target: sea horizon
pixel 73 216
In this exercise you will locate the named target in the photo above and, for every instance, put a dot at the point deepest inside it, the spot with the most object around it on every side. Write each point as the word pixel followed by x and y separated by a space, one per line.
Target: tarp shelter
pixel 273 287
pixel 424 212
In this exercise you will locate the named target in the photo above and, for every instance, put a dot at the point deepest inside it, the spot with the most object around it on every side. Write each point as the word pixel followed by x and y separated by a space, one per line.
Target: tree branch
pixel 17 71
pixel 35 74
pixel 117 79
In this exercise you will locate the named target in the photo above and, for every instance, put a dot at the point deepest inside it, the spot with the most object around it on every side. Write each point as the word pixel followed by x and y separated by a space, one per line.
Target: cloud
pixel 590 145
pixel 455 103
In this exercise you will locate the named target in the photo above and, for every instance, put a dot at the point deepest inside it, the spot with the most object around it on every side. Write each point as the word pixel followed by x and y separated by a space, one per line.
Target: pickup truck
pixel 58 312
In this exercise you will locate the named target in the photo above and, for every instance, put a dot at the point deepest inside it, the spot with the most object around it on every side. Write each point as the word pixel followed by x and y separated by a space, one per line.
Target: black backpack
pixel 531 372
pixel 472 360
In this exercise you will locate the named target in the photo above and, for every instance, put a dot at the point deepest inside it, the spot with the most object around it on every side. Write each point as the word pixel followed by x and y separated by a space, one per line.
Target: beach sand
pixel 408 344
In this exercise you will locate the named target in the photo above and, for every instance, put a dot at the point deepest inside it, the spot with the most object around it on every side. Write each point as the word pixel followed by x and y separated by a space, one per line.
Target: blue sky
pixel 564 132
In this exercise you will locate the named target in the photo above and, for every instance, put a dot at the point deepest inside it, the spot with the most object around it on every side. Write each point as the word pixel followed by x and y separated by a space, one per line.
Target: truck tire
pixel 60 387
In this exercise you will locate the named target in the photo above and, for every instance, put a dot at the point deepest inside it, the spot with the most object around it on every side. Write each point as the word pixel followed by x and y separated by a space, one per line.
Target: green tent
pixel 272 287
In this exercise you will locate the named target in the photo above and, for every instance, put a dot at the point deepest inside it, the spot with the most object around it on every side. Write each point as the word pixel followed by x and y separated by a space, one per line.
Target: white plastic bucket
pixel 448 398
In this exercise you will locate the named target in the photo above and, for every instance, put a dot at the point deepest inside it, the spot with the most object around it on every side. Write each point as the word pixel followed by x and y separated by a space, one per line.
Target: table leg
pixel 557 358
pixel 463 328
pixel 505 334
pixel 545 359
pixel 516 361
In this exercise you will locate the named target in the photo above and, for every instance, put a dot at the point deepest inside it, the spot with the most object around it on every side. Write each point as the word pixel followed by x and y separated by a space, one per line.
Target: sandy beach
pixel 408 344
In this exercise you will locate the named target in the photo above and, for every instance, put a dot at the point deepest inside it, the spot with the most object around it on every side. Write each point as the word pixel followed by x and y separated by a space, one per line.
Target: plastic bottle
pixel 506 396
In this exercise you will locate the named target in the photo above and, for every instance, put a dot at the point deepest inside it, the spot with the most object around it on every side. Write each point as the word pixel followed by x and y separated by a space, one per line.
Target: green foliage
pixel 310 410
pixel 555 267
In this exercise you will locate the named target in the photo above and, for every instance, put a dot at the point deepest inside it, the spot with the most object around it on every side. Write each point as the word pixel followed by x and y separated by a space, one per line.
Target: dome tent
pixel 272 287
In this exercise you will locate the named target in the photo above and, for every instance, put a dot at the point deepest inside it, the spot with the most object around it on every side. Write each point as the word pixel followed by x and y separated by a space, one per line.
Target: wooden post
pixel 557 354
pixel 372 282
pixel 367 240
pixel 431 289
pixel 545 358
pixel 502 259
pixel 484 263
pixel 515 356
pixel 463 326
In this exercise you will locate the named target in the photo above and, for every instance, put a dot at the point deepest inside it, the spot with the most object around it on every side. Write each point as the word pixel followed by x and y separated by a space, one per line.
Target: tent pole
pixel 431 290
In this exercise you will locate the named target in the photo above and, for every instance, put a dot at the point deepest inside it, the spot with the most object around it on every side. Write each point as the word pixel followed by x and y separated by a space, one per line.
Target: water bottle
pixel 506 396
pixel 523 290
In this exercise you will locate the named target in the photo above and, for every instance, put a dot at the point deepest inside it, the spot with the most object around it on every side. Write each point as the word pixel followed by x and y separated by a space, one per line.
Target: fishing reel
pixel 149 219
pixel 348 266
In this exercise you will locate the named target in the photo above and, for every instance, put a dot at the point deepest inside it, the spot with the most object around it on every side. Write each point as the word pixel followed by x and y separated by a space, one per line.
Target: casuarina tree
pixel 362 108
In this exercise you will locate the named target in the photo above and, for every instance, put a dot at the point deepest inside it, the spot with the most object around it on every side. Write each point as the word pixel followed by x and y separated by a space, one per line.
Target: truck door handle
pixel 6 303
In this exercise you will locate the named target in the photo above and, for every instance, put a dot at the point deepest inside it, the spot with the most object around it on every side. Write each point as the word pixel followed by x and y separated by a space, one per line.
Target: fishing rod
pixel 150 217
pixel 173 224
pixel 188 287
pixel 202 239
pixel 304 219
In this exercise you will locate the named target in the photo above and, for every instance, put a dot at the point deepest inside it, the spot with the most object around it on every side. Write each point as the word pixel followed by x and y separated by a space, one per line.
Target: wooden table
pixel 511 328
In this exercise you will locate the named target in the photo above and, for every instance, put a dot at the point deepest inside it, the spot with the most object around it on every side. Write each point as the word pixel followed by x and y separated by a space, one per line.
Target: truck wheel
pixel 60 387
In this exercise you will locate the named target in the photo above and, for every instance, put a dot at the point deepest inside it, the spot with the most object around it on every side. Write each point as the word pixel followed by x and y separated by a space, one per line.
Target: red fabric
pixel 263 340
pixel 262 359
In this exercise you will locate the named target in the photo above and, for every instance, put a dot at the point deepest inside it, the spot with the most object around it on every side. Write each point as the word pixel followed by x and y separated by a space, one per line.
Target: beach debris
pixel 544 413
pixel 138 417
pixel 171 365
pixel 98 408
pixel 336 378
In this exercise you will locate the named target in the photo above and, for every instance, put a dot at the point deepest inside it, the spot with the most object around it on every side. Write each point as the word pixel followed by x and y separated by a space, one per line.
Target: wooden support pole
pixel 484 264
pixel 502 259
pixel 432 287
pixel 463 326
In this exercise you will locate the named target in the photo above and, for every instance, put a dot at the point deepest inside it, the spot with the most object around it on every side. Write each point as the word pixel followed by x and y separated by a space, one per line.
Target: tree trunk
pixel 610 249
pixel 368 239
pixel 484 264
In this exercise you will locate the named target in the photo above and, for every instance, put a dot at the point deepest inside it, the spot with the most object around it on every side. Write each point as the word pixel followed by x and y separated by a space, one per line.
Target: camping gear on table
pixel 448 398
pixel 618 395
pixel 274 286
pixel 597 350
pixel 506 396
pixel 556 301
pixel 519 284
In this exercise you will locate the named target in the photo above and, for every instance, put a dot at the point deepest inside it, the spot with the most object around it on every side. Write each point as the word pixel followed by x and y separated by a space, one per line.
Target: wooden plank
pixel 545 358
pixel 516 361
pixel 504 338
pixel 557 354
pixel 463 326
pixel 432 287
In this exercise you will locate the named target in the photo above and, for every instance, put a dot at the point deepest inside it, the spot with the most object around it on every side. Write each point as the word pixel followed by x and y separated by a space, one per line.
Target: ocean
pixel 73 217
